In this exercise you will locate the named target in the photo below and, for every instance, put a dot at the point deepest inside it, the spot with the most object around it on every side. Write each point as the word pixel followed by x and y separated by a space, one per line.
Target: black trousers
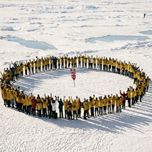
pixel 129 102
pixel 105 109
pixel 24 108
pixel 65 113
pixel 8 103
pixel 123 104
pixel 92 111
pixel 44 112
pixel 85 112
pixel 69 115
pixel 96 111
pixel 33 111
pixel 113 107
pixel 39 113
pixel 75 114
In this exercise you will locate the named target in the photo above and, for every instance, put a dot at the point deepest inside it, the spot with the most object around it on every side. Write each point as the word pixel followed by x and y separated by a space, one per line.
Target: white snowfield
pixel 110 28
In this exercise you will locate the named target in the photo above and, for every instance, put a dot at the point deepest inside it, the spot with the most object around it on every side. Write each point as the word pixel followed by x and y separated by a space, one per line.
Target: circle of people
pixel 46 106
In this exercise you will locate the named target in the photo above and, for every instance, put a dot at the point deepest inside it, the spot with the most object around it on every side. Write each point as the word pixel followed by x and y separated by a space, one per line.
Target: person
pixel 120 103
pixel 65 106
pixel 86 108
pixel 144 15
pixel 124 99
pixel 8 97
pixel 96 104
pixel 105 102
pixel 24 104
pixel 79 104
pixel 113 103
pixel 12 97
pixel 69 109
pixel 49 106
pixel 91 103
pixel 74 108
pixel 60 107
pixel 39 105
pixel 45 103
pixel 53 106
pixel 100 101
pixel 109 104
pixel 19 102
pixel 4 96
pixel 33 100
pixel 128 97
pixel 117 104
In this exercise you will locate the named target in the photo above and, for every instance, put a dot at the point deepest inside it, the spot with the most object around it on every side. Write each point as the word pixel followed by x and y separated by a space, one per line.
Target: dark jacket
pixel 60 104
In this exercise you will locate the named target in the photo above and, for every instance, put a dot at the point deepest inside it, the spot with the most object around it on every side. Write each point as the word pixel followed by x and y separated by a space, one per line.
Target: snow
pixel 66 25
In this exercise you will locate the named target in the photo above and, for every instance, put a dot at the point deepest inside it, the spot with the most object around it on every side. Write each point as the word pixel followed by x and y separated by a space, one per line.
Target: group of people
pixel 71 108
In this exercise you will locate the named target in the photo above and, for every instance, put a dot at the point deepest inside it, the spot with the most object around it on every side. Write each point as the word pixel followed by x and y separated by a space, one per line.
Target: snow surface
pixel 67 25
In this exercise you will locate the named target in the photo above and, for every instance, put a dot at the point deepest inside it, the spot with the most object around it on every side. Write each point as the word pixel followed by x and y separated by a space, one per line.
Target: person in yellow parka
pixel 140 93
pixel 91 104
pixel 113 100
pixel 110 64
pixel 136 95
pixel 27 104
pixel 12 97
pixel 24 104
pixel 30 103
pixel 79 105
pixel 86 108
pixel 45 104
pixel 96 104
pixel 8 97
pixel 39 105
pixel 109 103
pixel 74 108
pixel 100 101
pixel 129 96
pixel 105 103
pixel 117 104
pixel 4 96
pixel 120 103
pixel 147 83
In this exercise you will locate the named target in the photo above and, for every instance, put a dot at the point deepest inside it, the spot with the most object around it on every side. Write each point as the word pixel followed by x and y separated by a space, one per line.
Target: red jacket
pixel 123 95
pixel 33 103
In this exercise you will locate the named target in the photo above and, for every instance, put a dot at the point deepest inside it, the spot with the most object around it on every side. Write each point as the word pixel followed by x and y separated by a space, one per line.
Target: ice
pixel 112 38
pixel 29 44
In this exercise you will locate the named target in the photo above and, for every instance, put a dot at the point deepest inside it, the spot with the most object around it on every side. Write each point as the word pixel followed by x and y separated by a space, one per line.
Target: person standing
pixel 96 103
pixel 53 107
pixel 86 108
pixel 79 104
pixel 91 103
pixel 60 107
pixel 74 108
pixel 65 106
pixel 128 97
pixel 100 101
pixel 124 99
pixel 33 100
pixel 39 105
